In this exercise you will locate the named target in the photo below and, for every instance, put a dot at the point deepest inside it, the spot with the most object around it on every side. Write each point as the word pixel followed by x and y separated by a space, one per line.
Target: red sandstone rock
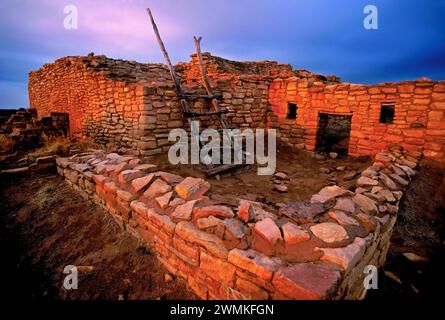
pixel 183 212
pixel 366 182
pixel 192 188
pixel 217 269
pixel 307 281
pixel 215 210
pixel 188 232
pixel 157 188
pixel 268 230
pixel 209 222
pixel 328 193
pixel 302 211
pixel 365 204
pixel 140 183
pixel 388 182
pixel 329 232
pixel 128 175
pixel 342 218
pixel 250 290
pixel 145 167
pixel 124 195
pixel 164 200
pixel 254 262
pixel 345 204
pixel 234 229
pixel 170 178
pixel 399 179
pixel 139 207
pixel 368 222
pixel 293 234
pixel 348 256
pixel 245 211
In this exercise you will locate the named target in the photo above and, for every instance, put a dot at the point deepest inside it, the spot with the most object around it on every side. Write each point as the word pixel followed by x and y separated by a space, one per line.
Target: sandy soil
pixel 46 226
pixel 305 178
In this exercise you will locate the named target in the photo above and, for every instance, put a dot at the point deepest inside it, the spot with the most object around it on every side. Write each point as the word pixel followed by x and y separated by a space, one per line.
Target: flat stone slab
pixel 367 205
pixel 347 257
pixel 293 234
pixel 302 211
pixel 307 281
pixel 329 232
pixel 328 193
pixel 268 230
pixel 254 262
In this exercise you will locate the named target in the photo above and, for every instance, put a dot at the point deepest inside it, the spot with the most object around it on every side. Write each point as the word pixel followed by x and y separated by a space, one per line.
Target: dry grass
pixel 7 144
pixel 59 145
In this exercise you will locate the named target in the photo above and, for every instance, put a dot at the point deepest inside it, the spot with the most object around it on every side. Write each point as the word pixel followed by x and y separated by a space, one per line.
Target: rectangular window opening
pixel 291 111
pixel 387 113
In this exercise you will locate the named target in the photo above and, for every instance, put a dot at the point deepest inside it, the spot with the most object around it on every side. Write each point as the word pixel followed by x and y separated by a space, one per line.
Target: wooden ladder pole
pixel 173 75
pixel 206 81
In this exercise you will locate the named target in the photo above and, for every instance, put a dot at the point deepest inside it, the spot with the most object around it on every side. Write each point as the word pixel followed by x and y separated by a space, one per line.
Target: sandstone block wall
pixel 130 107
pixel 29 131
pixel 419 120
pixel 307 250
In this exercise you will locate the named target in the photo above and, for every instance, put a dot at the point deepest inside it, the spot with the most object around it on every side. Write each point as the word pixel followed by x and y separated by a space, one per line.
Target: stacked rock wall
pixel 130 107
pixel 29 131
pixel 418 124
pixel 307 250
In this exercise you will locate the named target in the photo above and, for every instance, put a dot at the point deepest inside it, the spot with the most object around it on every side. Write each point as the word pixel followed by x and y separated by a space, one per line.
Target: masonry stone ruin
pixel 315 249
pixel 131 106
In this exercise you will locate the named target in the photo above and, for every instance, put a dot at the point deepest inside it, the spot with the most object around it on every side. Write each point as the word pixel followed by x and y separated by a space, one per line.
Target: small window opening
pixel 291 111
pixel 387 113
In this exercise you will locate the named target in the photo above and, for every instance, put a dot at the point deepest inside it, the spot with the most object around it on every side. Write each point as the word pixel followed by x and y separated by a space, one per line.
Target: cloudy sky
pixel 322 36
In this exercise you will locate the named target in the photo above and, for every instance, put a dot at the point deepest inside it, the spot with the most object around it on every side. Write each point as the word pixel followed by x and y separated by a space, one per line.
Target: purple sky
pixel 322 36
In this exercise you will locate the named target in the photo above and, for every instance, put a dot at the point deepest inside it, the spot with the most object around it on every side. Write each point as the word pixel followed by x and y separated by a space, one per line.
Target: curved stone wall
pixel 314 249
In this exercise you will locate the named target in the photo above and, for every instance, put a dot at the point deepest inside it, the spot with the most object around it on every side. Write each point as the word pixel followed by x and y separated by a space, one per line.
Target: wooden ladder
pixel 211 169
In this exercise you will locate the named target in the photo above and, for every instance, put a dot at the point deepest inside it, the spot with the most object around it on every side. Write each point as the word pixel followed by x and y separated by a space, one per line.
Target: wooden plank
pixel 202 114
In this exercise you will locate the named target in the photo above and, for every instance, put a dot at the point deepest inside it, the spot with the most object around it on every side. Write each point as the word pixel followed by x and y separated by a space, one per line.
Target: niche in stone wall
pixel 333 133
pixel 291 111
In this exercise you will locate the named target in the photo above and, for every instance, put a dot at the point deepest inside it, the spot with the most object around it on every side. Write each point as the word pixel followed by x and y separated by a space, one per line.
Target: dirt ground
pixel 46 226
pixel 303 171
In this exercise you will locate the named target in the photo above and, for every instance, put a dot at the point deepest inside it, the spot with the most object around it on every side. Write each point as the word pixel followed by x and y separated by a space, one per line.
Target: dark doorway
pixel 333 133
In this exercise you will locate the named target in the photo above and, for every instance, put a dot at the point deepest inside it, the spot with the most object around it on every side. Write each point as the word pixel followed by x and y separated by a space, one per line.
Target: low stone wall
pixel 315 249
pixel 27 130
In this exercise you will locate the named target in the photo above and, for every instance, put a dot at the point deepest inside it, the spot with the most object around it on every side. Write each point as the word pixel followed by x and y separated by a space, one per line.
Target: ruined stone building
pixel 131 106
pixel 302 249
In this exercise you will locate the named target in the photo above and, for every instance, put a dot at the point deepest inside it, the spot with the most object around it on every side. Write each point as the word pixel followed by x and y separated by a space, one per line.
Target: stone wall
pixel 27 130
pixel 307 250
pixel 130 107
pixel 418 125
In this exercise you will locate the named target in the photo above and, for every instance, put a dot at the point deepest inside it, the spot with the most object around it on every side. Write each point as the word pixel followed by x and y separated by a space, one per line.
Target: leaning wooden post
pixel 206 81
pixel 173 75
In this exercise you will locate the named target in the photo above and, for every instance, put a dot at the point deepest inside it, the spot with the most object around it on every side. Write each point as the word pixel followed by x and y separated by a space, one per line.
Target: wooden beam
pixel 206 81
pixel 169 64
